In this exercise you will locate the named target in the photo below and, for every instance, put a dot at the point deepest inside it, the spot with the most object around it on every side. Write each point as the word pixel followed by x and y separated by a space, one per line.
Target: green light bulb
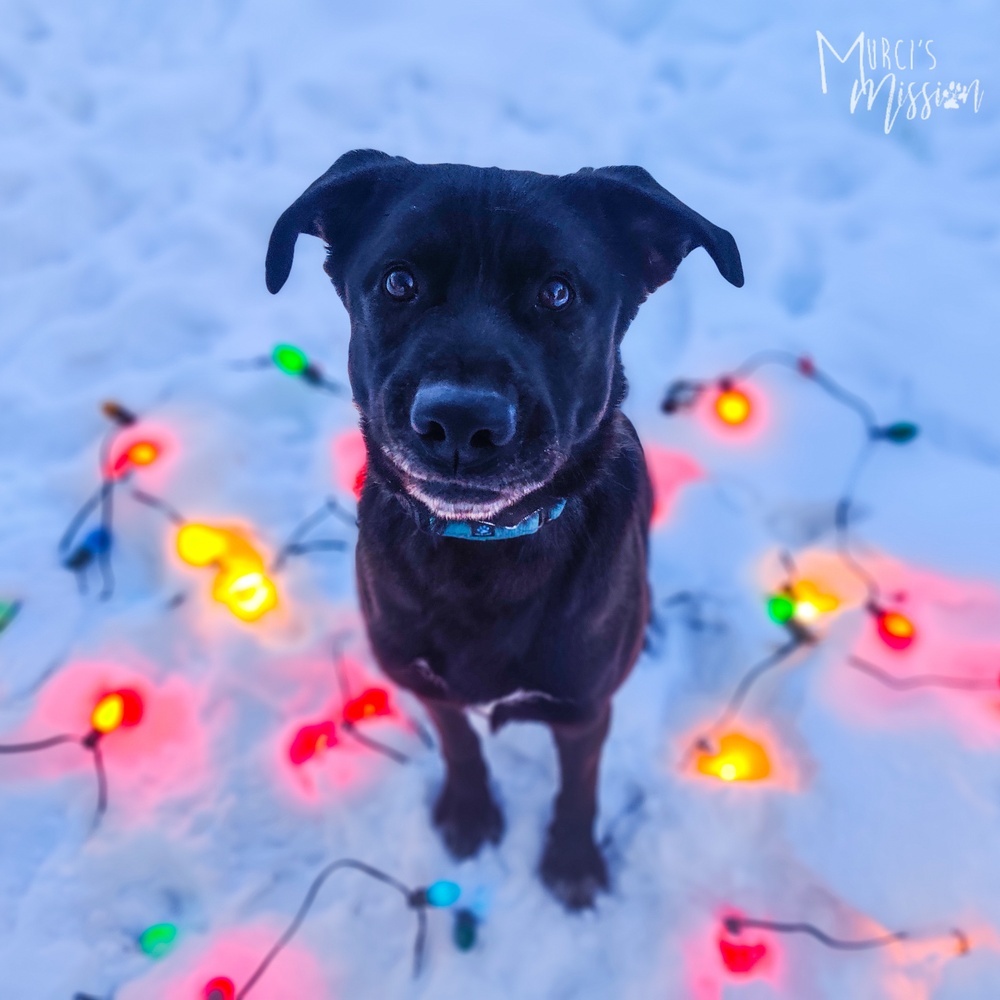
pixel 157 940
pixel 290 359
pixel 780 608
pixel 900 433
pixel 443 894
pixel 8 612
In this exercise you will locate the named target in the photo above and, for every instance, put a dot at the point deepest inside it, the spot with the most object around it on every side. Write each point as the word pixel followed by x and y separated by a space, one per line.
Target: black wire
pixel 922 680
pixel 329 385
pixel 420 941
pixel 736 924
pixel 787 359
pixel 102 785
pixel 248 363
pixel 842 525
pixel 157 503
pixel 78 519
pixel 752 676
pixel 307 904
pixel 373 744
pixel 339 641
pixel 52 741
pixel 330 508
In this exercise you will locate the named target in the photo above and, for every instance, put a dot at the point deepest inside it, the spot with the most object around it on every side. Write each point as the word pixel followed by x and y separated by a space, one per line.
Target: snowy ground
pixel 147 150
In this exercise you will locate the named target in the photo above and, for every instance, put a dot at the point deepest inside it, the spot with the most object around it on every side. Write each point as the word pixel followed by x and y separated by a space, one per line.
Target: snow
pixel 147 149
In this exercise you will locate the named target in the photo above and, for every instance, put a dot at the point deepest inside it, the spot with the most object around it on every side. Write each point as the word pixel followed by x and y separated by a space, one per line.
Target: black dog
pixel 502 554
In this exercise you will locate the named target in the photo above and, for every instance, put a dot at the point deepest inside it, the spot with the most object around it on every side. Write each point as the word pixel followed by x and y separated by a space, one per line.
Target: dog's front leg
pixel 466 812
pixel 572 864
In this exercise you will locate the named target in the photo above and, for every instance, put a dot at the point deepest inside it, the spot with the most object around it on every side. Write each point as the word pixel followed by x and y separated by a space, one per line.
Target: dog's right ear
pixel 328 204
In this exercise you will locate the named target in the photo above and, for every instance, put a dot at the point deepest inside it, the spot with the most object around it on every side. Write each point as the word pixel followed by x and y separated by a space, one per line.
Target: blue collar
pixel 484 531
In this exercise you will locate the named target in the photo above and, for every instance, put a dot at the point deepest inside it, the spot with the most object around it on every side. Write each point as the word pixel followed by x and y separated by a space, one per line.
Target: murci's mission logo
pixel 897 61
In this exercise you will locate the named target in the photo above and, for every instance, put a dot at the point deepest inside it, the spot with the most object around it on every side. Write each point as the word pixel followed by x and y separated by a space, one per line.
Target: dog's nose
pixel 470 422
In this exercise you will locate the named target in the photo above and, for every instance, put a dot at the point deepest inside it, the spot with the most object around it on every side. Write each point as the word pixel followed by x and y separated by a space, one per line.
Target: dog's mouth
pixel 454 498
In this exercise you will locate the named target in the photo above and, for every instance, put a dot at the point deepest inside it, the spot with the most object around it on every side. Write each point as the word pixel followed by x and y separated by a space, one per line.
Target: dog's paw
pixel 467 821
pixel 574 873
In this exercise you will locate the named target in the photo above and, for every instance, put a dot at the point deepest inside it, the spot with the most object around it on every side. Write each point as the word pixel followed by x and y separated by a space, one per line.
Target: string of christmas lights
pixel 797 603
pixel 293 361
pixel 114 710
pixel 440 894
pixel 734 408
pixel 158 939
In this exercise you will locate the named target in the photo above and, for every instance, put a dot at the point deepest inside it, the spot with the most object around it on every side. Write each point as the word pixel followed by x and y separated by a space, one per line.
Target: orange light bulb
pixel 895 629
pixel 143 453
pixel 739 758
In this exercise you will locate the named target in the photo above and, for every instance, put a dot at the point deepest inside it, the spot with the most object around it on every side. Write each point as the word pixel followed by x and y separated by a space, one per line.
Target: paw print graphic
pixel 954 93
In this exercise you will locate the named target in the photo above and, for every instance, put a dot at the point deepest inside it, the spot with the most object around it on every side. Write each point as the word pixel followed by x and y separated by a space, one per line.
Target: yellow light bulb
pixel 108 713
pixel 200 545
pixel 246 591
pixel 733 407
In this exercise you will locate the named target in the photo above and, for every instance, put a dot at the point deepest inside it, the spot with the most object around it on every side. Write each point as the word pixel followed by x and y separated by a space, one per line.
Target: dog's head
pixel 487 307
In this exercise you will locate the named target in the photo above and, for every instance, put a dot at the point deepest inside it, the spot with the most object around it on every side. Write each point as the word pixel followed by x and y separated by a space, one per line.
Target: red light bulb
pixel 370 703
pixel 117 709
pixel 359 481
pixel 741 958
pixel 136 454
pixel 310 741
pixel 220 988
pixel 895 629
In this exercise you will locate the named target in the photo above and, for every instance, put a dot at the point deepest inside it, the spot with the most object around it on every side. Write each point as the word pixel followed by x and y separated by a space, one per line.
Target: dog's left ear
pixel 655 228
pixel 329 208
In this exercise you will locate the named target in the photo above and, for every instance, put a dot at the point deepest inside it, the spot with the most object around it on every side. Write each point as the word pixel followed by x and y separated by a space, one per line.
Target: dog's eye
pixel 400 284
pixel 555 294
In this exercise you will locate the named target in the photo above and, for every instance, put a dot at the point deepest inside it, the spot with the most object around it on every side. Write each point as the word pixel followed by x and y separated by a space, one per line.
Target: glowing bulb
pixel 732 406
pixel 374 701
pixel 220 988
pixel 895 629
pixel 739 759
pixel 157 940
pixel 200 545
pixel 310 741
pixel 442 894
pixel 248 593
pixel 143 453
pixel 359 481
pixel 780 608
pixel 811 602
pixel 119 708
pixel 289 359
pixel 741 958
